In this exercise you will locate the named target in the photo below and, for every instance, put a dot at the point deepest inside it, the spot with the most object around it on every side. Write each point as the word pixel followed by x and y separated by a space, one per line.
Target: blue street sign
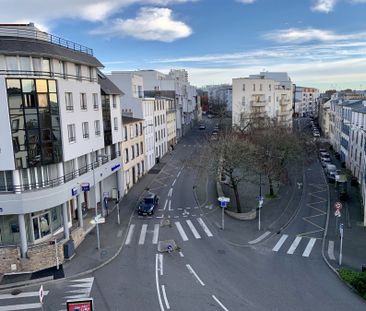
pixel 85 186
pixel 74 191
pixel 259 198
pixel 223 204
pixel 113 168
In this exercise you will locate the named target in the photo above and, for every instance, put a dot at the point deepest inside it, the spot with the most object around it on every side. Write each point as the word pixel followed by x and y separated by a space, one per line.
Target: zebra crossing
pixel 188 228
pixel 23 301
pixel 299 245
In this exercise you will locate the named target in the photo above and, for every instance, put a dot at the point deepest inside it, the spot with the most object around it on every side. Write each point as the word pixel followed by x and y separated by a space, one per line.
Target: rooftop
pixel 127 120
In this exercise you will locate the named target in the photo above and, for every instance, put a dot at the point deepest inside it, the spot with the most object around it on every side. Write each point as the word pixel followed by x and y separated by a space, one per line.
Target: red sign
pixel 80 305
pixel 338 205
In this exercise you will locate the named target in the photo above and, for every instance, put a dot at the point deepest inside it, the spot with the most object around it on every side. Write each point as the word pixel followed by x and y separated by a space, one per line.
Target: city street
pixel 284 271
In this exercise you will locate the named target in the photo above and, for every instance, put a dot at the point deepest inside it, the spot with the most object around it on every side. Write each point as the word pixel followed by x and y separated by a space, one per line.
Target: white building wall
pixel 149 129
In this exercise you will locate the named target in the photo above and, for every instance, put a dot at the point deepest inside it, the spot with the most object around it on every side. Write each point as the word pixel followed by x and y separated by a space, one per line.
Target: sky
pixel 319 43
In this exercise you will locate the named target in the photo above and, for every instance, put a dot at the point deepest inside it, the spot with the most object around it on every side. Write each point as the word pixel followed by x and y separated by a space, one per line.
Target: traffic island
pixel 242 216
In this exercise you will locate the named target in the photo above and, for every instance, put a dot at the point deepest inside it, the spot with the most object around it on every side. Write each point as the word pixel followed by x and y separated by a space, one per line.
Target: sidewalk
pixel 87 257
pixel 354 238
pixel 275 214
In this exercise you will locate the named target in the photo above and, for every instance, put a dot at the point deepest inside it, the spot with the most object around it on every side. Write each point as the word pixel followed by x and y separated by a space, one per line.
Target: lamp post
pixel 95 197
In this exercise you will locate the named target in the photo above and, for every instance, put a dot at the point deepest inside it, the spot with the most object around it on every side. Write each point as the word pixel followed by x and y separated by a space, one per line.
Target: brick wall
pixel 9 256
pixel 78 236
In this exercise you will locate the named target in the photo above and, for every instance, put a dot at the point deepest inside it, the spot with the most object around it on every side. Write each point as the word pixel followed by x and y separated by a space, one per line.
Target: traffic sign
pixel 41 294
pixel 223 204
pixel 338 205
pixel 85 186
pixel 223 199
pixel 259 198
pixel 337 213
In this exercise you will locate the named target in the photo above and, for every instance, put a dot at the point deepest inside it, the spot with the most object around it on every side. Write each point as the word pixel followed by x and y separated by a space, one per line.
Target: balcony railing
pixel 43 36
pixel 59 180
pixel 258 103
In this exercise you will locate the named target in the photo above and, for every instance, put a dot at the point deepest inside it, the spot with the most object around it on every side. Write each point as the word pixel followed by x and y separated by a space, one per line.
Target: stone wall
pixel 9 256
pixel 78 236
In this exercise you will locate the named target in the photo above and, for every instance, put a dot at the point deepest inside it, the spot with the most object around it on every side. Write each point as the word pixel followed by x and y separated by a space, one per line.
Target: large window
pixel 85 128
pixel 95 101
pixel 83 103
pixel 68 101
pixel 115 123
pixel 97 127
pixel 71 132
pixel 35 122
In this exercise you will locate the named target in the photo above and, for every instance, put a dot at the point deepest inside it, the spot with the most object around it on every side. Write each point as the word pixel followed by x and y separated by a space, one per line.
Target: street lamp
pixel 95 196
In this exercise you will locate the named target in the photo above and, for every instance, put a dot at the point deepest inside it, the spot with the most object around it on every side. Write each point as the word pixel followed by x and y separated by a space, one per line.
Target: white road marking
pixel 204 227
pixel 166 202
pixel 157 283
pixel 294 245
pixel 220 304
pixel 170 206
pixel 193 229
pixel 181 254
pixel 264 235
pixel 161 264
pixel 280 243
pixel 165 297
pixel 129 234
pixel 194 274
pixel 179 173
pixel 181 231
pixel 156 234
pixel 170 193
pixel 26 306
pixel 174 182
pixel 159 217
pixel 22 295
pixel 309 247
pixel 331 250
pixel 143 234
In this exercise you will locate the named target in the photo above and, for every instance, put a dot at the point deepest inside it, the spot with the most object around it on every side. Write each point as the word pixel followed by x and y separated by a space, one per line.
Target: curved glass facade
pixel 35 122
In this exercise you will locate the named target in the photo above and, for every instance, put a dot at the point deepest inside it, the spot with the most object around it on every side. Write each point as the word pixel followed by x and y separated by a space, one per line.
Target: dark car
pixel 148 204
pixel 202 127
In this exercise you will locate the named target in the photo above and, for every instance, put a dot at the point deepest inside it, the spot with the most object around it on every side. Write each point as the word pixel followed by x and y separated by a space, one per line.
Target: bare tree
pixel 231 155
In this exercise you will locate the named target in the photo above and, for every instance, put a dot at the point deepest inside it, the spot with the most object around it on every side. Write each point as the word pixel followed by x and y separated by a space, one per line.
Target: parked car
pixel 148 204
pixel 316 134
pixel 202 127
pixel 330 172
pixel 324 154
pixel 322 150
pixel 325 161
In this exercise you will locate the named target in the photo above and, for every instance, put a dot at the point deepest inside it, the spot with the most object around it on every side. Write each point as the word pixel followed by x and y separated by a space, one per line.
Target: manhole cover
pixel 221 252
pixel 16 292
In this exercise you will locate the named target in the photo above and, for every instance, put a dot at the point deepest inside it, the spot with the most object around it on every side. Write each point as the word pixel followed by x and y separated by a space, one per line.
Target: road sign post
pixel 341 247
pixel 223 204
pixel 260 204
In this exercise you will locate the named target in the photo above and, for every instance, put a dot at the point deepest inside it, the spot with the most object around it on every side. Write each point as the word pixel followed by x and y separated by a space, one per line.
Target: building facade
pixel 306 101
pixel 52 144
pixel 260 96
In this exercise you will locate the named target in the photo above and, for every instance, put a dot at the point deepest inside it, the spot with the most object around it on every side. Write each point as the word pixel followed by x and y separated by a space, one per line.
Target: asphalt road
pixel 208 273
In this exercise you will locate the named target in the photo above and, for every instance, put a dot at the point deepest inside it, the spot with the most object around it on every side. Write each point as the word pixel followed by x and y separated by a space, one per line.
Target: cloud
pixel 48 12
pixel 246 1
pixel 324 6
pixel 297 35
pixel 149 24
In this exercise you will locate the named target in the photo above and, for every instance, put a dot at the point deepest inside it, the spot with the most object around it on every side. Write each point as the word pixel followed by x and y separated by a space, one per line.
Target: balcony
pixel 258 103
pixel 284 112
pixel 285 102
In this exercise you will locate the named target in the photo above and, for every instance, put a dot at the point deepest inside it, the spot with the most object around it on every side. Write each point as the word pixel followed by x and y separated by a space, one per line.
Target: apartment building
pixel 160 126
pixel 264 95
pixel 220 94
pixel 56 163
pixel 136 105
pixel 306 101
pixel 133 151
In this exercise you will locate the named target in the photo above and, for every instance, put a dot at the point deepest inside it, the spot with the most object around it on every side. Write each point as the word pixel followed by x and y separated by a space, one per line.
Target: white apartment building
pixel 222 93
pixel 57 157
pixel 261 96
pixel 175 85
pixel 306 101
pixel 135 104
pixel 161 135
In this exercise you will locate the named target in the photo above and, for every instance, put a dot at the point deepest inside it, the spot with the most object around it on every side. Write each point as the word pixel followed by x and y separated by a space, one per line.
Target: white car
pixel 316 134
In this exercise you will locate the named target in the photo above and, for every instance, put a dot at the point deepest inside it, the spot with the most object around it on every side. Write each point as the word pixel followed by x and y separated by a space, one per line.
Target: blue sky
pixel 320 43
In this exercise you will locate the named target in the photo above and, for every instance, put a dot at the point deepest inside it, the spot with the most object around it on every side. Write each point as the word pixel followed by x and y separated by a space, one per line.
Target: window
pixel 136 130
pixel 114 101
pixel 125 132
pixel 85 128
pixel 25 64
pixel 253 86
pixel 142 147
pixel 243 100
pixel 95 101
pixel 132 152
pixel 126 156
pixel 91 73
pixel 83 104
pixel 68 101
pixel 269 98
pixel 97 127
pixel 243 87
pixel 78 71
pixel 46 65
pixel 140 94
pixel 37 65
pixel 137 150
pixel 141 129
pixel 11 63
pixel 260 87
pixel 115 123
pixel 131 132
pixel 71 132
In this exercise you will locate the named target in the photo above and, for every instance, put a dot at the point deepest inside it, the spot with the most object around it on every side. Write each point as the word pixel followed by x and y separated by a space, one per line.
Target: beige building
pixel 133 151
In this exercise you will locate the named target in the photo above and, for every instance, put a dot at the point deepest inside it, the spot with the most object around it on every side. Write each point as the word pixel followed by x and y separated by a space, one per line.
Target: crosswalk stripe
pixel 22 295
pixel 280 243
pixel 156 234
pixel 26 306
pixel 143 234
pixel 129 234
pixel 193 229
pixel 181 231
pixel 331 250
pixel 204 227
pixel 294 245
pixel 309 247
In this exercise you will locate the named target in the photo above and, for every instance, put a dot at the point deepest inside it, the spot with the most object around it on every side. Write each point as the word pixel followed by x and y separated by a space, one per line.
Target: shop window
pixel 41 226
